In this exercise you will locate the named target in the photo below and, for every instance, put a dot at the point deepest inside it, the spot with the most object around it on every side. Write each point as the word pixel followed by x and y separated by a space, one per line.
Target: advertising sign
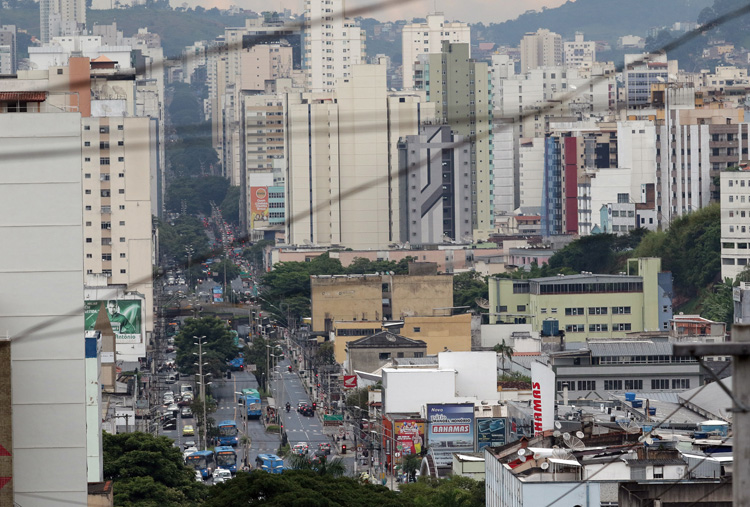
pixel 409 436
pixel 124 316
pixel 350 381
pixel 543 396
pixel 491 432
pixel 258 207
pixel 451 429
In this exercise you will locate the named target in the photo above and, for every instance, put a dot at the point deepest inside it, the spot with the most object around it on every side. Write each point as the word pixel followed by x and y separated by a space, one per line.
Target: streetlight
pixel 202 382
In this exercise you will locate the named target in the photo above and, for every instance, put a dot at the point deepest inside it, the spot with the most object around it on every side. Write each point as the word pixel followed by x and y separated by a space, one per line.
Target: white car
pixel 189 451
pixel 222 475
pixel 198 476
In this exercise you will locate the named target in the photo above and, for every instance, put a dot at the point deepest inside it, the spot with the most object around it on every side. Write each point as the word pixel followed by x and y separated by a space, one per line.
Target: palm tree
pixel 506 351
pixel 411 463
pixel 246 442
pixel 334 467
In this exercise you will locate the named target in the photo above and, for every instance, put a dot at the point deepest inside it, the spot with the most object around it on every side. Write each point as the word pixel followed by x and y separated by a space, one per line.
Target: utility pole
pixel 739 349
pixel 202 383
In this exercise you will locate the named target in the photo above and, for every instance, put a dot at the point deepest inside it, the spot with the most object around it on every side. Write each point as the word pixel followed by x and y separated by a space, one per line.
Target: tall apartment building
pixel 8 50
pixel 42 350
pixel 435 196
pixel 579 53
pixel 342 179
pixel 641 72
pixel 61 17
pixel 735 226
pixel 117 173
pixel 424 38
pixel 541 49
pixel 332 43
pixel 459 88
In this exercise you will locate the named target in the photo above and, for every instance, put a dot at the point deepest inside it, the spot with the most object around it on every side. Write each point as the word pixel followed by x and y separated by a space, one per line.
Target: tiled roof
pixel 23 96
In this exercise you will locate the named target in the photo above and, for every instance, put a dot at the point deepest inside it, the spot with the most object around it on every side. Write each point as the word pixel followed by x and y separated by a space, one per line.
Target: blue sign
pixel 491 432
pixel 450 429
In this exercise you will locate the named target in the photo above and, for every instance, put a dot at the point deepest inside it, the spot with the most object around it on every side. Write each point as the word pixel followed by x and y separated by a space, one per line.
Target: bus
pixel 270 463
pixel 250 398
pixel 226 458
pixel 228 433
pixel 202 461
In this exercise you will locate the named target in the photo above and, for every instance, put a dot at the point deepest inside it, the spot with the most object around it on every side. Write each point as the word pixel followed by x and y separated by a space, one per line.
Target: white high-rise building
pixel 61 17
pixel 423 38
pixel 541 49
pixel 332 44
pixel 579 53
pixel 735 231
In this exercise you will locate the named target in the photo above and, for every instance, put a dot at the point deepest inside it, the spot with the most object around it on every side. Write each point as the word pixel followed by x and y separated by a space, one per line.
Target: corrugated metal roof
pixel 588 279
pixel 630 348
pixel 23 96
pixel 651 462
pixel 709 398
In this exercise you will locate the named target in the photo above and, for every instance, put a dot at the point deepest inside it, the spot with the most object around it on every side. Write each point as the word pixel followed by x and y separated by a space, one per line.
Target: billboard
pixel 409 436
pixel 258 207
pixel 451 429
pixel 491 432
pixel 543 396
pixel 124 316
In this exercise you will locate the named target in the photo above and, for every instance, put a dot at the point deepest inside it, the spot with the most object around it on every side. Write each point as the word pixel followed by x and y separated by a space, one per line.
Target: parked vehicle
pixel 222 475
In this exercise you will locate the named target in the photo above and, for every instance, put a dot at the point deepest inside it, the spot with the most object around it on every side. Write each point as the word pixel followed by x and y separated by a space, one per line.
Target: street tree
pixel 218 346
pixel 148 470
pixel 456 491
pixel 505 351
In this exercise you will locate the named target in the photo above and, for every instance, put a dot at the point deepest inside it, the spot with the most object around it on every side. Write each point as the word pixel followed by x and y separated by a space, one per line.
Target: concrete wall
pixel 476 373
pixel 440 333
pixel 494 334
pixel 420 295
pixel 368 359
pixel 345 298
pixel 41 202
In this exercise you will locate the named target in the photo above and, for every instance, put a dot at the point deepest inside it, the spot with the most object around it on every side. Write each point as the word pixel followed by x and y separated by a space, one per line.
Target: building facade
pixel 735 228
pixel 541 49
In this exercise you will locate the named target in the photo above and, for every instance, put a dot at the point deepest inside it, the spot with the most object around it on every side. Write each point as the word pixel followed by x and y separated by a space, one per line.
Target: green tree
pixel 298 488
pixel 254 254
pixel 218 346
pixel 185 231
pixel 148 470
pixel 196 193
pixel 359 398
pixel 719 305
pixel 505 351
pixel 468 287
pixel 410 463
pixel 218 271
pixel 334 467
pixel 230 206
pixel 457 491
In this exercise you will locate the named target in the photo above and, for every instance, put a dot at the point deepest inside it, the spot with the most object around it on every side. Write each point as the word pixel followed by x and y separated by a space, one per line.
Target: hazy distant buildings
pixel 332 44
pixel 8 50
pixel 579 53
pixel 424 38
pixel 541 49
pixel 61 17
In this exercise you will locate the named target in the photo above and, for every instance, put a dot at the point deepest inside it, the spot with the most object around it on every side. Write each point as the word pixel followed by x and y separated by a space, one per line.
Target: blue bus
pixel 226 458
pixel 270 463
pixel 228 433
pixel 202 461
pixel 250 399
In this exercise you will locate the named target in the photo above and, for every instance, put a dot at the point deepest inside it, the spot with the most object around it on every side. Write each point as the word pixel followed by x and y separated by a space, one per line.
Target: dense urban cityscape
pixel 385 254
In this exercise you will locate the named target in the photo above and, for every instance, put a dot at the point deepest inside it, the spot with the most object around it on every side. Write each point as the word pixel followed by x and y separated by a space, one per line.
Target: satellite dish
pixel 629 426
pixel 521 452
pixel 575 443
pixel 523 459
pixel 566 436
pixel 558 424
pixel 544 466
pixel 560 453
pixel 537 455
pixel 579 434
pixel 556 433
pixel 649 441
pixel 482 303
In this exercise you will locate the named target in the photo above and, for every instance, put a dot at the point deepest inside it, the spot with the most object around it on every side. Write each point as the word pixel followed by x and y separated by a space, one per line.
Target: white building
pixel 735 226
pixel 579 53
pixel 541 49
pixel 61 17
pixel 58 51
pixel 332 44
pixel 424 38
pixel 43 313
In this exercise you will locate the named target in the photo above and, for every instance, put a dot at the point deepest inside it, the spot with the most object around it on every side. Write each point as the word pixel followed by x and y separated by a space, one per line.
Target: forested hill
pixel 598 19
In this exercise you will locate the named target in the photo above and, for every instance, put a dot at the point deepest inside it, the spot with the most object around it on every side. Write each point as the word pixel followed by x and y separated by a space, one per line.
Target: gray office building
pixel 435 186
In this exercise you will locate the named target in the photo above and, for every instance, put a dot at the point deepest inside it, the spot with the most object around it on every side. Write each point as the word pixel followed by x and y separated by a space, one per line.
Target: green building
pixel 587 305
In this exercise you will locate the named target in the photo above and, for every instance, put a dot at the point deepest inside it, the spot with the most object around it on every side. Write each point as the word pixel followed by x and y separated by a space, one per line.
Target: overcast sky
pixel 487 11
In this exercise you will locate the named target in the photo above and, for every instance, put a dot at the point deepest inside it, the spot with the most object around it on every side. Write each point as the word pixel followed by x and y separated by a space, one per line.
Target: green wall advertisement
pixel 124 315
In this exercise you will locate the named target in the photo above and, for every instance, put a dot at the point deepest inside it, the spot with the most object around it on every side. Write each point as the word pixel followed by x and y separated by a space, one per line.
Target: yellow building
pixel 587 305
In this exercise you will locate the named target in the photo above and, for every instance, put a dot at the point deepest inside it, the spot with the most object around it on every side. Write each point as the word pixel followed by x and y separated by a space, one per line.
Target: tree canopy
pixel 468 287
pixel 183 232
pixel 149 471
pixel 197 194
pixel 455 491
pixel 218 346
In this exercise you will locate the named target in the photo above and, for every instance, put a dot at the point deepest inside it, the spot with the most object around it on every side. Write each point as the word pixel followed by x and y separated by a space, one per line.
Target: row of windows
pixel 105 241
pixel 106 209
pixel 103 129
pixel 593 310
pixel 105 192
pixel 356 332
pixel 106 225
pixel 624 384
pixel 657 359
pixel 384 356
pixel 588 288
pixel 105 257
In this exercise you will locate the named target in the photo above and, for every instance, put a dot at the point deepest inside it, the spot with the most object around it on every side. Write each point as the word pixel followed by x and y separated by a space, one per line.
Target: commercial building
pixel 459 88
pixel 540 49
pixel 425 38
pixel 436 199
pixel 587 305
pixel 332 44
pixel 641 72
pixel 42 350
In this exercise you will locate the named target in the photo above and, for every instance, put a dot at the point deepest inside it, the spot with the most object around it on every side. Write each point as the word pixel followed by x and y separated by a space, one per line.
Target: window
pixel 87 191
pixel 87 175
pixel 613 385
pixel 384 356
pixel 104 129
pixel 680 383
pixel 575 328
pixel 87 159
pixel 621 327
pixel 122 271
pixel 87 143
pixel 658 472
pixel 598 310
pixel 419 354
pixel 122 240
pixel 103 145
pixel 120 143
pixel 659 383
pixel 89 256
pixel 119 127
pixel 635 385
pixel 88 208
pixel 399 354
pixel 89 240
pixel 521 308
pixel 417 329
pixel 598 328
pixel 543 310
pixel 121 159
pixel 122 206
pixel 587 385
pixel 503 308
pixel 104 161
pixel 574 311
pixel 620 310
pixel 122 191
pixel 107 257
pixel 88 224
pixel 122 256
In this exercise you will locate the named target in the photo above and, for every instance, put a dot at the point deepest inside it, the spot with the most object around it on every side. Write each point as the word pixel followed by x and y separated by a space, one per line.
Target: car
pixel 169 424
pixel 169 395
pixel 186 388
pixel 188 443
pixel 173 408
pixel 301 448
pixel 301 405
pixel 221 475
pixel 187 452
pixel 186 412
pixel 188 431
pixel 198 476
pixel 319 456
pixel 325 446
pixel 307 411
